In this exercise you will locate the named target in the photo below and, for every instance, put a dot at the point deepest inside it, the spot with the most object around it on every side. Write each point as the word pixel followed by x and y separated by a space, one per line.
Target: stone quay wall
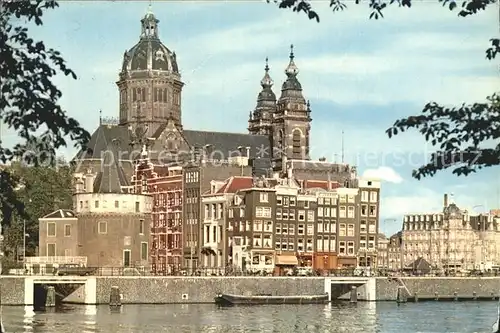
pixel 12 290
pixel 386 289
pixel 165 290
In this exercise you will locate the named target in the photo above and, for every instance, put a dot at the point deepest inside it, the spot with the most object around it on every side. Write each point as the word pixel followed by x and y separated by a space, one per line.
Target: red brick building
pixel 165 185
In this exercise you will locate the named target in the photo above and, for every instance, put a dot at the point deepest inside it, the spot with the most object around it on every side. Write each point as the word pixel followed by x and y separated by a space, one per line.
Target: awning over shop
pixel 286 260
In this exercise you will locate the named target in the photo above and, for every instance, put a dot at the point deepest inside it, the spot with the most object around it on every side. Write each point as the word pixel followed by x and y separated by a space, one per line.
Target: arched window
pixel 296 143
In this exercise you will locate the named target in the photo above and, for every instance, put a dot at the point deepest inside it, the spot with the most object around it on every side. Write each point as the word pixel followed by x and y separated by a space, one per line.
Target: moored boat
pixel 229 300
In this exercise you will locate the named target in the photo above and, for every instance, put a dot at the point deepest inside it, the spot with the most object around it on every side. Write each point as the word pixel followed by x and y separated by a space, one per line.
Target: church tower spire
pixel 292 122
pixel 259 121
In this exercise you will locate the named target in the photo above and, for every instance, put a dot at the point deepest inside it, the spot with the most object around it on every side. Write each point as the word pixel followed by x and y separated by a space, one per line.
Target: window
pixel 292 201
pixel 309 247
pixel 342 249
pixel 310 229
pixel 342 231
pixel 306 204
pixel 278 228
pixel 333 244
pixel 96 204
pixel 350 230
pixel 342 213
pixel 327 201
pixel 310 216
pixel 320 201
pixel 51 249
pixel 257 240
pixel 320 211
pixel 291 215
pixel 278 213
pixel 351 199
pixel 364 210
pixel 67 230
pixel 117 204
pixel 141 227
pixel 257 225
pixel 300 245
pixel 364 196
pixel 269 226
pixel 51 229
pixel 137 207
pixel 362 226
pixel 263 212
pixel 362 242
pixel 343 198
pixel 371 242
pixel 350 248
pixel 373 196
pixel 144 251
pixel 268 241
pixel 319 243
pixel 373 210
pixel 300 229
pixel 333 227
pixel 372 227
pixel 291 229
pixel 320 225
pixel 284 229
pixel 350 212
pixel 279 200
pixel 103 227
pixel 285 201
pixel 302 215
pixel 264 197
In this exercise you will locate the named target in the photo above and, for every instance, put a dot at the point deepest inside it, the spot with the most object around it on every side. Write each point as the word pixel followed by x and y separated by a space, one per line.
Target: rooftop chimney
pixel 445 200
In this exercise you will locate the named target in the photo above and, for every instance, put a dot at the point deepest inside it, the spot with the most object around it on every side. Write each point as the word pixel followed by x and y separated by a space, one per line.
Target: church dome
pixel 149 54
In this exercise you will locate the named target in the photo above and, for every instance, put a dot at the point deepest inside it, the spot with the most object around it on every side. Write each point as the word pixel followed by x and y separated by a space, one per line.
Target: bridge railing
pixel 47 270
pixel 61 260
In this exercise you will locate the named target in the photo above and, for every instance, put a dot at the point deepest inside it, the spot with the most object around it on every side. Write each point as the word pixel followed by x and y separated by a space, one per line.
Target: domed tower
pixel 260 119
pixel 292 121
pixel 150 83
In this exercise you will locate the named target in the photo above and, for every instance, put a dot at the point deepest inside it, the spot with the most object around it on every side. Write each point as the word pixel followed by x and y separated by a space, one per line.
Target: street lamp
pixel 24 241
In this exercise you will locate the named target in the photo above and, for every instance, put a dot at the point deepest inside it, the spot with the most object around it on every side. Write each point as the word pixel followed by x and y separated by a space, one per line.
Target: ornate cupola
pixel 291 122
pixel 291 88
pixel 260 119
pixel 150 79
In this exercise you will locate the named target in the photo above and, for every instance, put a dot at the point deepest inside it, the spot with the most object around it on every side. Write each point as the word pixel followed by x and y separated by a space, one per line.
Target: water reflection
pixel 336 317
pixel 29 316
pixel 90 319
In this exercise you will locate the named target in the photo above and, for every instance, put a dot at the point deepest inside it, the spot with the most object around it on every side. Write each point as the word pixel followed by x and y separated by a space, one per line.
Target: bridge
pixel 338 286
pixel 64 286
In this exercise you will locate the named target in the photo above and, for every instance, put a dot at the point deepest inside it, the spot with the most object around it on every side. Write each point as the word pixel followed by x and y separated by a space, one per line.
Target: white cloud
pixel 383 173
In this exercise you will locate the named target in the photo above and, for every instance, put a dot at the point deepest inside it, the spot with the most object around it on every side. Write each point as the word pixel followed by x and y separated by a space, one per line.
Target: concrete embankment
pixel 164 290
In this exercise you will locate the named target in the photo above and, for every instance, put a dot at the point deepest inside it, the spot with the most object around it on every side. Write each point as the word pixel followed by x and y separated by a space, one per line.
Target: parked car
pixel 74 269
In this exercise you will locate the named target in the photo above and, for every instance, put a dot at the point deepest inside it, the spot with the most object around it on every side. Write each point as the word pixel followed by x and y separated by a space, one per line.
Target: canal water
pixel 428 317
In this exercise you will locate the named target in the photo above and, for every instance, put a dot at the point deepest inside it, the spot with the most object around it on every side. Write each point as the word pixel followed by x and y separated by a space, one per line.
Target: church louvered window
pixel 296 143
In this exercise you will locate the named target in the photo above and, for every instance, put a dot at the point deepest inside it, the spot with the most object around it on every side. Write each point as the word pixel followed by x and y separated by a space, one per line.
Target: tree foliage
pixel 41 190
pixel 462 136
pixel 29 100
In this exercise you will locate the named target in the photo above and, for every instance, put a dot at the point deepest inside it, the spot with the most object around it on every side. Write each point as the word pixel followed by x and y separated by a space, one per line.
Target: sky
pixel 360 75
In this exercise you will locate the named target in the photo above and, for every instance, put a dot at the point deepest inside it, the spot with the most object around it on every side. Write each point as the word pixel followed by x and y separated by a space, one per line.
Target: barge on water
pixel 230 300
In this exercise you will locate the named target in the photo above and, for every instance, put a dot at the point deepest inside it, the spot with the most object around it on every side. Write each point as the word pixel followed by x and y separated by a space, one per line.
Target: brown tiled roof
pixel 234 184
